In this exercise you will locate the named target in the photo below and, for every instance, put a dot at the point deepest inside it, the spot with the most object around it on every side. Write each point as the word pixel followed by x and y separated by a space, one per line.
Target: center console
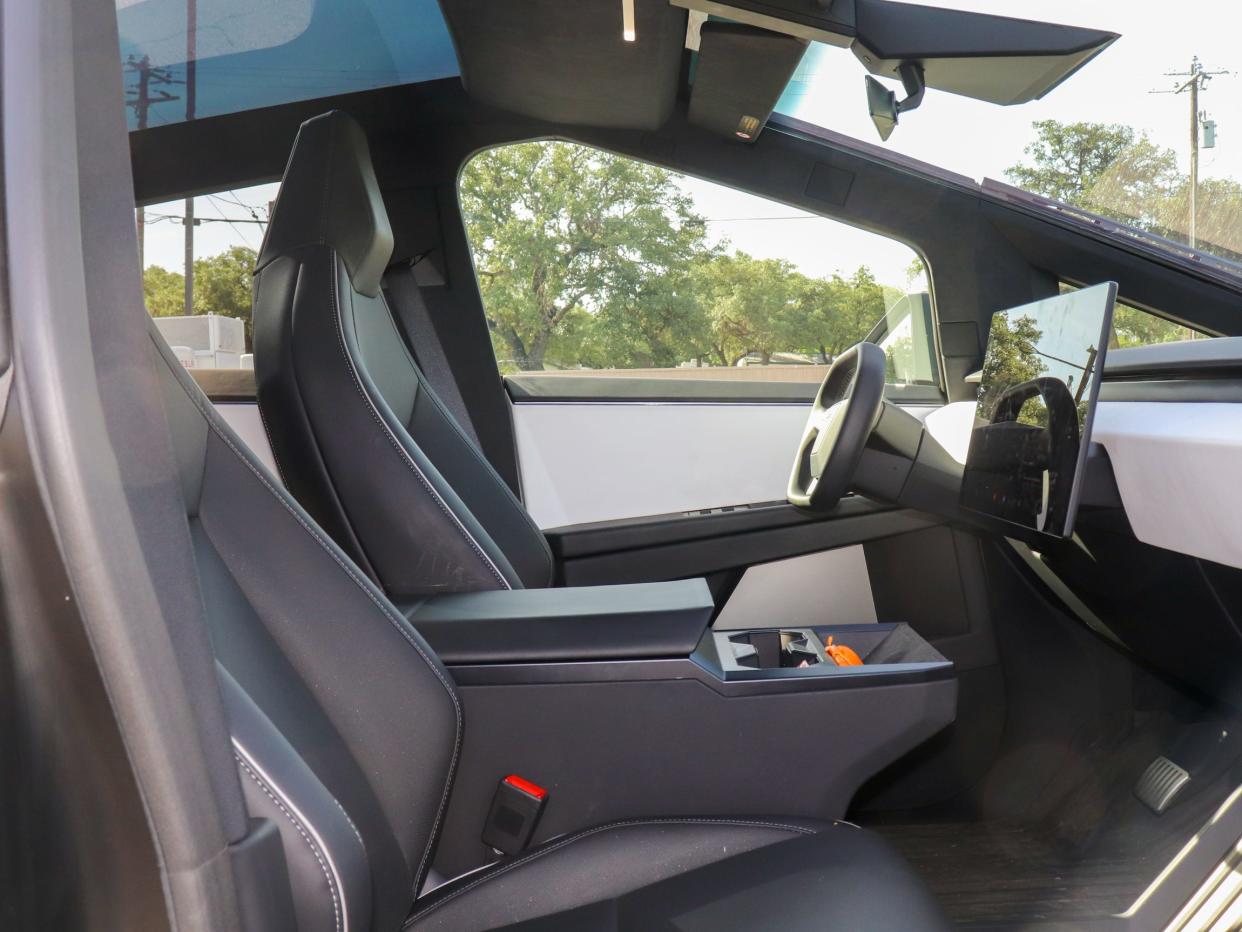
pixel 667 714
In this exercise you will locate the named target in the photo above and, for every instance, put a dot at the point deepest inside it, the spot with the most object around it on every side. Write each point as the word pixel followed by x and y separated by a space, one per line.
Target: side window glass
pixel 596 265
pixel 1133 326
pixel 206 321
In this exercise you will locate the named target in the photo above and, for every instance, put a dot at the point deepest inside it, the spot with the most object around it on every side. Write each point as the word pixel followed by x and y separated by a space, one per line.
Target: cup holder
pixel 774 649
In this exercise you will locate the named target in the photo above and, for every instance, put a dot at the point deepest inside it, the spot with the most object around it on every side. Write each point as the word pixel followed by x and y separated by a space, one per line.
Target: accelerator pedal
pixel 1160 784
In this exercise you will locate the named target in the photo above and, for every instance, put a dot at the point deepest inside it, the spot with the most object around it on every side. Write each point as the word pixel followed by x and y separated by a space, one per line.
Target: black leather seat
pixel 360 437
pixel 346 731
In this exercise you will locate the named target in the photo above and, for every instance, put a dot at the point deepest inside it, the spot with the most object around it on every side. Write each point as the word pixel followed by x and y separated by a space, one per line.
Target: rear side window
pixel 595 265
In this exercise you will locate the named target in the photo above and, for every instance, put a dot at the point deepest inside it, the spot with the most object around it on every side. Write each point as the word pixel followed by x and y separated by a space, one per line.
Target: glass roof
pixel 249 54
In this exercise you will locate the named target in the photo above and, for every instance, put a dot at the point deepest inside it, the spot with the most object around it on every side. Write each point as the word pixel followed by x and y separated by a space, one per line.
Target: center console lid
pixel 645 620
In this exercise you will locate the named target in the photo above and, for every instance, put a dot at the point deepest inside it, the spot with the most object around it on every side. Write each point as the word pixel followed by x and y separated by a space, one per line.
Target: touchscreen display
pixel 1041 374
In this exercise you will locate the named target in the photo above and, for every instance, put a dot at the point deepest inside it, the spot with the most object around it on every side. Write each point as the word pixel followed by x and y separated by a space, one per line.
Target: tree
pixel 1107 168
pixel 1132 327
pixel 751 306
pixel 1011 360
pixel 1117 173
pixel 224 284
pixel 568 239
pixel 1113 171
pixel 838 312
pixel 1218 216
pixel 163 291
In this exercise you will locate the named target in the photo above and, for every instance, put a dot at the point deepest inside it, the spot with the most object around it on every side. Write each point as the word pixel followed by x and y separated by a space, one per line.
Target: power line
pixel 146 92
pixel 231 223
pixel 197 220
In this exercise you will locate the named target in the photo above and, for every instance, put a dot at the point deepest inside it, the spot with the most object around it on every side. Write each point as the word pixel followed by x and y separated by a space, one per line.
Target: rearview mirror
pixel 883 103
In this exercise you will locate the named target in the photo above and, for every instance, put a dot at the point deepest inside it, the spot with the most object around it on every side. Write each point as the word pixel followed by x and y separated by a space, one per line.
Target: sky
pixel 970 137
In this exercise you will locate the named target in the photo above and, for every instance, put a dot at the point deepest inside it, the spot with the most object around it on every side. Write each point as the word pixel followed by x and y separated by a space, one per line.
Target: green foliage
pixel 1132 327
pixel 1105 168
pixel 1110 170
pixel 564 235
pixel 222 285
pixel 1011 360
pixel 838 312
pixel 589 259
pixel 750 306
pixel 163 291
pixel 1113 171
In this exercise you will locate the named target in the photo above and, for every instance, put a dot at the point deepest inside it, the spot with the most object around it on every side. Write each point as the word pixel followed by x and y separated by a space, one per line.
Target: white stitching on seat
pixel 426 386
pixel 210 417
pixel 568 839
pixel 354 828
pixel 280 473
pixel 303 827
pixel 395 443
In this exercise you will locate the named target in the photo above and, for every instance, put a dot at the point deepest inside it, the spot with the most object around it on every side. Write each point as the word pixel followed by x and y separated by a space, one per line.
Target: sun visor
pixel 992 58
pixel 739 75
pixel 571 62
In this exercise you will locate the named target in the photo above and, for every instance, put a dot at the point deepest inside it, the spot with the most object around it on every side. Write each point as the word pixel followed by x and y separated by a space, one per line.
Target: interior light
pixel 627 21
pixel 747 127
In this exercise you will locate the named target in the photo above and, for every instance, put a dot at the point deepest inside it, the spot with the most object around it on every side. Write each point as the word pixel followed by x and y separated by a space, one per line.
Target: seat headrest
pixel 329 196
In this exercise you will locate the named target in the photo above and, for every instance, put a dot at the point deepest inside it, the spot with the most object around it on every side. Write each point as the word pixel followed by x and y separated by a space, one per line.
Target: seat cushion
pixel 691 874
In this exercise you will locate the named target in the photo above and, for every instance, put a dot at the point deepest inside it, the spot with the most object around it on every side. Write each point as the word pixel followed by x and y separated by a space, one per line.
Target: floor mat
pixel 1085 856
pixel 991 875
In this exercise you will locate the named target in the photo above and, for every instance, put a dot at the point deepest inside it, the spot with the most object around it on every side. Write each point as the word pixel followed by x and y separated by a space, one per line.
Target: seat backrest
pixel 345 727
pixel 360 437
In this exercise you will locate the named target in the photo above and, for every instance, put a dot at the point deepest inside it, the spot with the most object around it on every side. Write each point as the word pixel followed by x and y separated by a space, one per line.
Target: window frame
pixel 523 387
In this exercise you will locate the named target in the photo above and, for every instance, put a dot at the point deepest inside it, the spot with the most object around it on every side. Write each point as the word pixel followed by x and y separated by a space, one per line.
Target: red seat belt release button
pixel 515 812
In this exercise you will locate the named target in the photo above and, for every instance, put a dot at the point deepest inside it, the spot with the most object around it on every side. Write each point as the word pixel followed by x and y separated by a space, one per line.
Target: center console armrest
pixel 645 620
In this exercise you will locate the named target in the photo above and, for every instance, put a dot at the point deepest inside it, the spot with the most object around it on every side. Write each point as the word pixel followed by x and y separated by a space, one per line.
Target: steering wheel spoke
pixel 846 409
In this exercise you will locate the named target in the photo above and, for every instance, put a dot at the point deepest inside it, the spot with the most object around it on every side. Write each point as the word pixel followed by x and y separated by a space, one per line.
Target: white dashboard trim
pixel 1178 467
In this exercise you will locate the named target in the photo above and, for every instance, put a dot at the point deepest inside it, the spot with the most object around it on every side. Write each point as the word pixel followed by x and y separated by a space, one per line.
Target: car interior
pixel 377 631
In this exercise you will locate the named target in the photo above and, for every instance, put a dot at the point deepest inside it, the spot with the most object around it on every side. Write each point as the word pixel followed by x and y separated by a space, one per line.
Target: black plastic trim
pixel 585 540
pixel 697 669
pixel 1219 355
pixel 583 623
pixel 650 549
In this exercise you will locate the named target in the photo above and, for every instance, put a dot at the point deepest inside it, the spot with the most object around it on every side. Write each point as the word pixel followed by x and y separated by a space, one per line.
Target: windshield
pixel 1114 139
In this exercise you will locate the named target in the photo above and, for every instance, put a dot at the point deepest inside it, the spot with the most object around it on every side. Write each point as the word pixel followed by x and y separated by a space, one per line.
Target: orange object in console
pixel 844 656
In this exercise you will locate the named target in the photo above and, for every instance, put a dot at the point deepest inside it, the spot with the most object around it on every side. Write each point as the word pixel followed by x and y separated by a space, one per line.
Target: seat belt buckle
pixel 514 813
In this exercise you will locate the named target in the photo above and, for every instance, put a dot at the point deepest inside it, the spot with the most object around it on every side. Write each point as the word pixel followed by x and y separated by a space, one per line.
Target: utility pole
pixel 191 27
pixel 1196 80
pixel 146 92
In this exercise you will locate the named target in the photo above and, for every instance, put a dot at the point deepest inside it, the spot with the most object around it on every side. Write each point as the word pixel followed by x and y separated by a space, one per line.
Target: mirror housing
pixel 883 104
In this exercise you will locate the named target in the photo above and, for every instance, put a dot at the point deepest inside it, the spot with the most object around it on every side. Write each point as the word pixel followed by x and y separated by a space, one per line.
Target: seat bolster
pixel 329 875
pixel 693 875
pixel 600 863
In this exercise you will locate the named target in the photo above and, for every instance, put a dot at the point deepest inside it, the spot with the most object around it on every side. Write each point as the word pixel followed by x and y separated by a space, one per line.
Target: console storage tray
pixel 763 653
